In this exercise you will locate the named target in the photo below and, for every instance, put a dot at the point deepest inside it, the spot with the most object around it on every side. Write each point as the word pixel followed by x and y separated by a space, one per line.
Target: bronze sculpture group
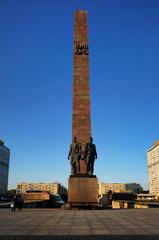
pixel 76 154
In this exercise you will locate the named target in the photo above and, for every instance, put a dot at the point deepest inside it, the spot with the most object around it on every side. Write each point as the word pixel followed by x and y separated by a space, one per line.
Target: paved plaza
pixel 80 224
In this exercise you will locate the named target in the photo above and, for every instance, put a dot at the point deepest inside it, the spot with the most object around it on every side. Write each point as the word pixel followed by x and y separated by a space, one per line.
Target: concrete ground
pixel 80 224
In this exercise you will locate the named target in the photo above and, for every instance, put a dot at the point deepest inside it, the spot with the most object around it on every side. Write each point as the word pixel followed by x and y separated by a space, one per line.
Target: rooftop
pixel 156 143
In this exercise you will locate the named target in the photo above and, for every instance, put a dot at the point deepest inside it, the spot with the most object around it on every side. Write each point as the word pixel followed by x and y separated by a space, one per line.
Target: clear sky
pixel 36 76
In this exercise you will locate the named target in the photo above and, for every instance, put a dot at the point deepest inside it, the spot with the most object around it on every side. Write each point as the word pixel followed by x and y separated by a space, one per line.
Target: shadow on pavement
pixel 82 237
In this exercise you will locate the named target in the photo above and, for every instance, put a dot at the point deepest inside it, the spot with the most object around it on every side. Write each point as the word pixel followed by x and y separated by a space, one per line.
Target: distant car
pixel 57 200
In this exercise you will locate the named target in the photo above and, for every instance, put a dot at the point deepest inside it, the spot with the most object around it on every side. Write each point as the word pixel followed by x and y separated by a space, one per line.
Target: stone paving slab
pixel 59 224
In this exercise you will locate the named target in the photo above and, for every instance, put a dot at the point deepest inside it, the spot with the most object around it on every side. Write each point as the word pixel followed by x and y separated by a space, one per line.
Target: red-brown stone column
pixel 81 119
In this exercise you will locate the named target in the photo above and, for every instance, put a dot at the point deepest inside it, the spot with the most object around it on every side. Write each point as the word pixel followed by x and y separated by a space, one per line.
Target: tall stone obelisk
pixel 82 186
pixel 81 116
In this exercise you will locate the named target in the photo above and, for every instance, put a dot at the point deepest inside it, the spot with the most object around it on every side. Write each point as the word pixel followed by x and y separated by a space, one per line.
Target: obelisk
pixel 81 116
pixel 82 186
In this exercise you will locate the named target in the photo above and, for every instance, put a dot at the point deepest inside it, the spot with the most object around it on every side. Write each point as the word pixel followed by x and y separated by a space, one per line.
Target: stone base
pixel 83 190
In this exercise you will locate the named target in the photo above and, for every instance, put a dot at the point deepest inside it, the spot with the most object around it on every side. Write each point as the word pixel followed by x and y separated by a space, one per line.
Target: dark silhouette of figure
pixel 75 155
pixel 17 202
pixel 90 155
pixel 14 201
pixel 20 203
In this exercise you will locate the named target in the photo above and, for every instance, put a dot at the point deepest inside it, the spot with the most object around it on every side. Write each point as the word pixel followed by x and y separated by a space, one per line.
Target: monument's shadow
pixel 83 237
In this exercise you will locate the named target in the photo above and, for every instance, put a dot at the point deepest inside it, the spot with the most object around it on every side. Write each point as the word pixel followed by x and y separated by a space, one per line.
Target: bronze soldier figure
pixel 90 156
pixel 75 155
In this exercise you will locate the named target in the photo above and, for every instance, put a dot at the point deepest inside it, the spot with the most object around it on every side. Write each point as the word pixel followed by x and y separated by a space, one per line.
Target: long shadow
pixel 82 237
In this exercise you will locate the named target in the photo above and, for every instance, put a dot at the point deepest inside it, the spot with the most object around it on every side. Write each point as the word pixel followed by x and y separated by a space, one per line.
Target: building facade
pixel 52 188
pixel 153 168
pixel 120 187
pixel 4 167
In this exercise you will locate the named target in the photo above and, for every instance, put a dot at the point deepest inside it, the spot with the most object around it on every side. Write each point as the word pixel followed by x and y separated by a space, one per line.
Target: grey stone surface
pixel 79 224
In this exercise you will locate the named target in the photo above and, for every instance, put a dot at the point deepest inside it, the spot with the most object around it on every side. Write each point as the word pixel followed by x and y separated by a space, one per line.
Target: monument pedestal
pixel 82 191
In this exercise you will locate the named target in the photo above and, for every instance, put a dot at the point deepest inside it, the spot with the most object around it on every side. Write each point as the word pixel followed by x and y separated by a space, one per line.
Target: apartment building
pixel 153 168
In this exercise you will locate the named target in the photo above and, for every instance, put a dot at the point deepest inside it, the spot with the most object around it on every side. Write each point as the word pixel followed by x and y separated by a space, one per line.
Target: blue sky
pixel 36 76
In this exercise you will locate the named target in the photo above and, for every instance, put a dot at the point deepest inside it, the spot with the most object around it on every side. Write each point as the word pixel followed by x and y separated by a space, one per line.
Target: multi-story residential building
pixel 119 187
pixel 135 188
pixel 4 167
pixel 153 168
pixel 52 188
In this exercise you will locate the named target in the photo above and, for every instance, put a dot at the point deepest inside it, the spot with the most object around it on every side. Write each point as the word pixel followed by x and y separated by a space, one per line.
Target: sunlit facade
pixel 52 188
pixel 153 168
pixel 120 187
